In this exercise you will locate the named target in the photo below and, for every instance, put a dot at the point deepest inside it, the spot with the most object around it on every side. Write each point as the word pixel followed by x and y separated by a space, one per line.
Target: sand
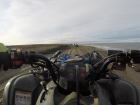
pixel 129 74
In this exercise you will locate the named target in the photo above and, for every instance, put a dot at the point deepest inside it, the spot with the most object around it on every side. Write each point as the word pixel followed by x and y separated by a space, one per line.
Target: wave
pixel 107 48
pixel 116 46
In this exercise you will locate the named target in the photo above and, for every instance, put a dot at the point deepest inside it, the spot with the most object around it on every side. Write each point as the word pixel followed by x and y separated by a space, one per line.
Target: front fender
pixel 24 83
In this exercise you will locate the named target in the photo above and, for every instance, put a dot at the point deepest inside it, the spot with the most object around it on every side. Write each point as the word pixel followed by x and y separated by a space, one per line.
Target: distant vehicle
pixel 76 45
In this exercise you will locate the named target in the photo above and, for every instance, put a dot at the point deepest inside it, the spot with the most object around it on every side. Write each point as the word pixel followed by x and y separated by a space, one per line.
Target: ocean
pixel 116 46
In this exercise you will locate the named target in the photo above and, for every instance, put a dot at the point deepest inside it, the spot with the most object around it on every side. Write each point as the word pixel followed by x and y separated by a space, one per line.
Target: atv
pixel 71 80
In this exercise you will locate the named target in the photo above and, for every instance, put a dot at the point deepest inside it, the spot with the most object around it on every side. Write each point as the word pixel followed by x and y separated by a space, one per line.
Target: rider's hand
pixel 4 59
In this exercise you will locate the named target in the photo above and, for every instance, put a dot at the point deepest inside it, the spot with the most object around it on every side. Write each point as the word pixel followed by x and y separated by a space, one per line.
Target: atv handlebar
pixel 17 58
pixel 119 59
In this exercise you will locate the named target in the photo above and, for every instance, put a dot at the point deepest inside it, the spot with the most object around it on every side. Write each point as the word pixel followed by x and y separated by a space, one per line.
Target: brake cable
pixel 107 62
pixel 48 65
pixel 77 83
pixel 55 66
pixel 103 60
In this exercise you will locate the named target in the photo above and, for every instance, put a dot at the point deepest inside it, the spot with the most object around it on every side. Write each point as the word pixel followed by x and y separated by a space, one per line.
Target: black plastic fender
pixel 118 92
pixel 25 83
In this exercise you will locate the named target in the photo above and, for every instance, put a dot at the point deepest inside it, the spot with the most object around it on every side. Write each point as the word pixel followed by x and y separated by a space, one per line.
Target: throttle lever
pixel 43 83
pixel 91 88
pixel 130 65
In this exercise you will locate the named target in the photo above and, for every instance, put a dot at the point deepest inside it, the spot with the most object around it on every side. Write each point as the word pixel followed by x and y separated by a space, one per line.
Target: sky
pixel 69 21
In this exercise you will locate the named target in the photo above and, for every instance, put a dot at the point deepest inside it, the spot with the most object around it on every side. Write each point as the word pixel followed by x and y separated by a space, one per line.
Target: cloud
pixel 136 29
pixel 69 39
pixel 36 20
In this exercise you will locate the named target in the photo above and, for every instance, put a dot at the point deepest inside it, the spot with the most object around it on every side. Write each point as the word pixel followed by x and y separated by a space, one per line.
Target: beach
pixel 48 50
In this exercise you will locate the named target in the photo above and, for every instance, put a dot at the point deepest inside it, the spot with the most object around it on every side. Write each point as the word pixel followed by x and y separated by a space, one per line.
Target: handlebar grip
pixel 4 60
pixel 135 56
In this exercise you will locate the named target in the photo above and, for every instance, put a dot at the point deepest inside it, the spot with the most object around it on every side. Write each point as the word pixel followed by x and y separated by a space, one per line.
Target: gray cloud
pixel 33 21
pixel 129 36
